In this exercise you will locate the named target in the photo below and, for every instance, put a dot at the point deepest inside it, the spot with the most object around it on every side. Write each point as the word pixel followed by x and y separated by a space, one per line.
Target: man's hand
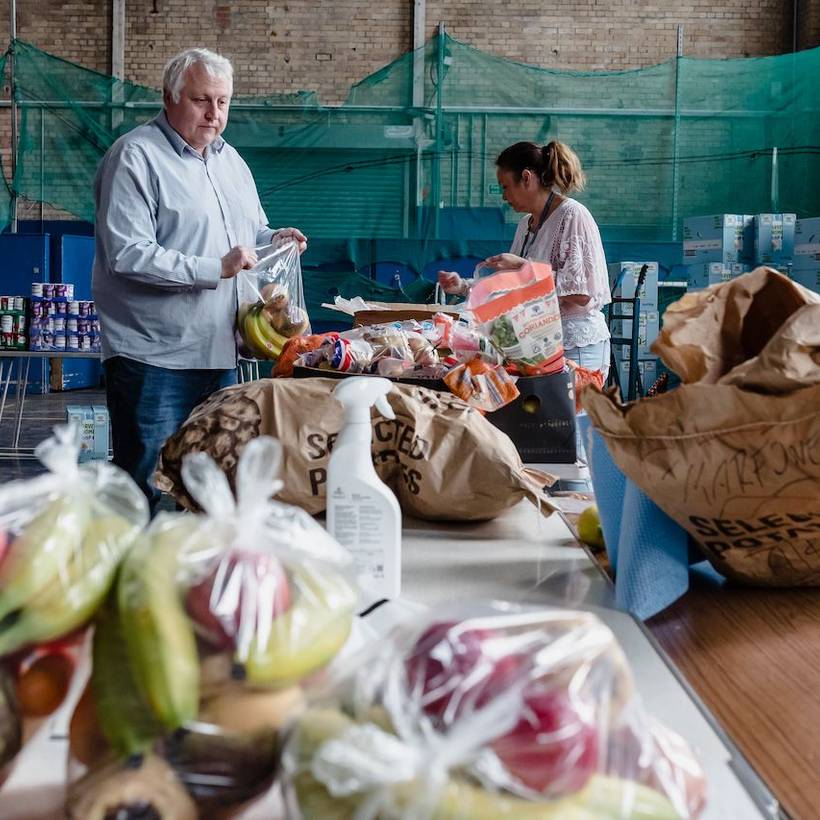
pixel 291 235
pixel 452 284
pixel 237 259
pixel 504 261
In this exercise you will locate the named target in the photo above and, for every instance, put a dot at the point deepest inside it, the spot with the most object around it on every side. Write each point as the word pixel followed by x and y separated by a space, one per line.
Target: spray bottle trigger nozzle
pixel 383 406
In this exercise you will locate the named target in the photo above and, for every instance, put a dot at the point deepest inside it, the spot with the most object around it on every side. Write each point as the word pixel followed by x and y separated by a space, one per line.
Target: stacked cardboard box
pixel 623 279
pixel 806 265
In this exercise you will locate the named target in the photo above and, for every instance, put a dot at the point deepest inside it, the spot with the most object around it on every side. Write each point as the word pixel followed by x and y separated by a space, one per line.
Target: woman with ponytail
pixel 559 230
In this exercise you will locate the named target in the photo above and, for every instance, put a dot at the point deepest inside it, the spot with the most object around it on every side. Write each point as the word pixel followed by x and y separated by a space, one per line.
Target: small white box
pixel 102 431
pixel 83 416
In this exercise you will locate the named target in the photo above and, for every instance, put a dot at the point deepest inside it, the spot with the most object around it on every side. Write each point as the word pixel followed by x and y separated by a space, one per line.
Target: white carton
pixel 624 277
pixel 102 431
pixel 774 239
pixel 648 330
pixel 83 415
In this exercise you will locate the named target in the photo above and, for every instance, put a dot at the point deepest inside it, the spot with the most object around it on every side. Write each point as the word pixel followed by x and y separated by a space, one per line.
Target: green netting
pixel 403 172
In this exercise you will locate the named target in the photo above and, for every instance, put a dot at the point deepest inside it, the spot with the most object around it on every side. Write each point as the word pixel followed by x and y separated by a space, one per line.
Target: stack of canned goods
pixel 61 322
pixel 13 323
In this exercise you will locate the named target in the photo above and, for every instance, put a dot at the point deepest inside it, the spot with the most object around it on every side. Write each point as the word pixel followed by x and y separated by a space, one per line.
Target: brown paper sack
pixel 441 457
pixel 733 455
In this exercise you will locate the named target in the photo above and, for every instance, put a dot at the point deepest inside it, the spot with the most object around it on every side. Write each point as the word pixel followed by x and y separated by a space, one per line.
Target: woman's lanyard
pixel 530 237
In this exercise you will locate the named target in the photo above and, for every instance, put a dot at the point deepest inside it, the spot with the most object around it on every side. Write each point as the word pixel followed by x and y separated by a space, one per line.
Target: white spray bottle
pixel 363 514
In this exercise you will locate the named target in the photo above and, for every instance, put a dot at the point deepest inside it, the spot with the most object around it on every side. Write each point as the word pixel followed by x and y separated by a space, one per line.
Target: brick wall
pixel 288 45
pixel 808 27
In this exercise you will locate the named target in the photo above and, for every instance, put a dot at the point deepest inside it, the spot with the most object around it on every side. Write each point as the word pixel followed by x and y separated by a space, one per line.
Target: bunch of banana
pixel 259 335
pixel 126 721
pixel 58 572
pixel 308 634
pixel 603 798
pixel 159 636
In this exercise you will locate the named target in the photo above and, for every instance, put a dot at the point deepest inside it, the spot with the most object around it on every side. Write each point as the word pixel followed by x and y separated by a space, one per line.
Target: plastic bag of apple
pixel 62 536
pixel 271 302
pixel 488 711
pixel 199 653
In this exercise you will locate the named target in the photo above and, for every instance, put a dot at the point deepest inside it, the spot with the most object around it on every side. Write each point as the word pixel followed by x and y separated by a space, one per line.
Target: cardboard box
pixel 648 369
pixel 83 416
pixel 623 278
pixel 102 431
pixel 725 238
pixel 774 239
pixel 648 330
pixel 703 275
pixel 808 278
pixel 806 244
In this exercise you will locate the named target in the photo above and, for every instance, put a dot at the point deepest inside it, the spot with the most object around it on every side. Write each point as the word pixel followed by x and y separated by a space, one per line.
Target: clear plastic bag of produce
pixel 62 537
pixel 271 302
pixel 200 654
pixel 518 310
pixel 488 711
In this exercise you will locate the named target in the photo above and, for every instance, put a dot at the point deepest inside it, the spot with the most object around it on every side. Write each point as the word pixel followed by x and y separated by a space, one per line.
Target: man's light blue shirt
pixel 165 217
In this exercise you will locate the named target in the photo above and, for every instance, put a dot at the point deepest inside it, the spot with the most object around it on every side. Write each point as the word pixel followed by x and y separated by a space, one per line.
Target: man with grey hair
pixel 177 217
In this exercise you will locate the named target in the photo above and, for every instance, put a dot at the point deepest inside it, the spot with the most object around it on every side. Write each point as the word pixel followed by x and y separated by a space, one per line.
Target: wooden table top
pixel 753 657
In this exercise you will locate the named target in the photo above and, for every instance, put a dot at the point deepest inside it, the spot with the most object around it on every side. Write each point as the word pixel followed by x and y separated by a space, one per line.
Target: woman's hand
pixel 452 284
pixel 504 261
pixel 284 235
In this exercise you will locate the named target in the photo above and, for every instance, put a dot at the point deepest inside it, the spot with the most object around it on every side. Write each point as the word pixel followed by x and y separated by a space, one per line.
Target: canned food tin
pixel 6 323
pixel 59 324
pixel 36 288
pixel 4 303
pixel 48 290
pixel 36 310
pixel 72 324
pixel 21 324
pixel 19 303
pixel 74 308
pixel 72 341
pixel 59 341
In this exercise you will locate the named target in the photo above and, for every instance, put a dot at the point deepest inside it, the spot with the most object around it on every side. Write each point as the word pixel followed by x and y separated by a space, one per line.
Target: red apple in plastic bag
pixel 243 585
pixel 553 749
pixel 454 669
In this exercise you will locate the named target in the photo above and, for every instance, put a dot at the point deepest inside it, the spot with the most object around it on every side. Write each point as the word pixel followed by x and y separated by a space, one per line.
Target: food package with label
pixel 202 648
pixel 518 310
pixel 63 535
pixel 488 710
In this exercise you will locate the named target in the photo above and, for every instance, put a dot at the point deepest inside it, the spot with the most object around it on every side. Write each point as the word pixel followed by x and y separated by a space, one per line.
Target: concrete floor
pixel 41 413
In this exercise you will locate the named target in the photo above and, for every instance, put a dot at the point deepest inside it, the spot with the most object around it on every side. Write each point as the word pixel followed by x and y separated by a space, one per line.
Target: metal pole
pixel 12 80
pixel 775 192
pixel 42 165
pixel 117 61
pixel 676 129
pixel 439 129
pixel 419 55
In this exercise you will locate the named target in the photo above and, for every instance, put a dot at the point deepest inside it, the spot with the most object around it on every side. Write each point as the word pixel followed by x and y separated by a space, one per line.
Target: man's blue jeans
pixel 147 405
